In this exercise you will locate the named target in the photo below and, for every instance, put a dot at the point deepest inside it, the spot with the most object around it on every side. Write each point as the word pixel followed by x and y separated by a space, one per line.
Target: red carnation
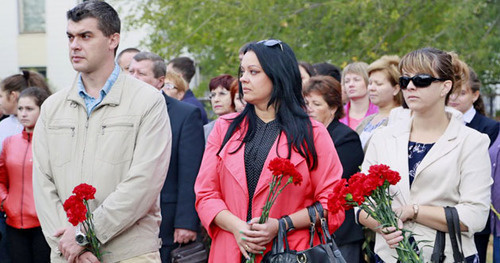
pixel 84 191
pixel 297 177
pixel 278 166
pixel 393 177
pixel 75 210
pixel 337 199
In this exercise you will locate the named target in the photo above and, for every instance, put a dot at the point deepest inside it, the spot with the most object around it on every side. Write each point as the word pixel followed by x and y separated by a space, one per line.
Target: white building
pixel 34 37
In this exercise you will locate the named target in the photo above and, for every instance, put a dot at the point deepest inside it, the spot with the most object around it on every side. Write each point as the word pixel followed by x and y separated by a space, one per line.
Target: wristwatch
pixel 80 237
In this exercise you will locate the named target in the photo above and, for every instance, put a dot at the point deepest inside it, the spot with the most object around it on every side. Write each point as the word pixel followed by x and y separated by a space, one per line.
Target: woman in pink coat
pixel 233 181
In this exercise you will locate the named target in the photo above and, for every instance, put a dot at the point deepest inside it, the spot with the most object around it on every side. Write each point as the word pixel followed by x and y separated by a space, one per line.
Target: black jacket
pixel 351 156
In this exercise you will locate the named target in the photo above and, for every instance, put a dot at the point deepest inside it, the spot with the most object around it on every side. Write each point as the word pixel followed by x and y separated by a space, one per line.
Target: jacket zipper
pixel 84 147
pixel 72 128
pixel 104 126
pixel 23 175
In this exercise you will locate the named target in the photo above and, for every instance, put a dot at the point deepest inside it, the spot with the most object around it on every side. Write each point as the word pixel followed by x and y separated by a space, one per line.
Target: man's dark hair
pixel 159 68
pixel 185 66
pixel 127 50
pixel 107 17
pixel 327 69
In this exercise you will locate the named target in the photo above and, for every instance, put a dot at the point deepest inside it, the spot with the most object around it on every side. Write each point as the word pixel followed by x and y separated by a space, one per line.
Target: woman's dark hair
pixel 308 67
pixel 39 95
pixel 279 64
pixel 224 80
pixel 327 69
pixel 475 86
pixel 19 82
pixel 331 91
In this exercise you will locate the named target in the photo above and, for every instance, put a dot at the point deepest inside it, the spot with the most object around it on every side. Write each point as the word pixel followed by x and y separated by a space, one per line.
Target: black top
pixel 350 152
pixel 256 152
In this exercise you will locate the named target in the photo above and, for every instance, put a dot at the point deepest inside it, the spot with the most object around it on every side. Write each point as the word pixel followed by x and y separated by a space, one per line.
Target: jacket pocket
pixel 62 134
pixel 116 140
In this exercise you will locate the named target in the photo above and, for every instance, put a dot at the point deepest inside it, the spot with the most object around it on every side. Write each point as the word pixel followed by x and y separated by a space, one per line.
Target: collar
pixel 105 89
pixel 450 133
pixel 469 115
pixel 27 135
pixel 188 94
pixel 113 98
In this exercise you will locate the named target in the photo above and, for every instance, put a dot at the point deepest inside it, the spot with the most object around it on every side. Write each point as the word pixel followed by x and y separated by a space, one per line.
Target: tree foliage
pixel 337 31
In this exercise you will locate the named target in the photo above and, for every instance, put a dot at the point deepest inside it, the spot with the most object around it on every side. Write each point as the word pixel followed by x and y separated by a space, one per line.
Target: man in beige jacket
pixel 108 130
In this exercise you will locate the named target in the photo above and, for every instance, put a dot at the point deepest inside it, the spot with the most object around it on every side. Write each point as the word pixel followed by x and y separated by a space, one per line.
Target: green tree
pixel 338 31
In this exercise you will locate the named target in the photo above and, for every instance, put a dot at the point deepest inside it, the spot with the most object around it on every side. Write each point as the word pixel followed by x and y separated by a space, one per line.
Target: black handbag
pixel 194 252
pixel 453 222
pixel 327 251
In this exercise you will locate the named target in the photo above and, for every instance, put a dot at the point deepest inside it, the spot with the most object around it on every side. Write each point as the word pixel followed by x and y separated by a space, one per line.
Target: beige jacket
pixel 455 172
pixel 122 149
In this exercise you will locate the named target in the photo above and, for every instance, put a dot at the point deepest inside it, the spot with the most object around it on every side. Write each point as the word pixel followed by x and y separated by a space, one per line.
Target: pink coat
pixel 222 184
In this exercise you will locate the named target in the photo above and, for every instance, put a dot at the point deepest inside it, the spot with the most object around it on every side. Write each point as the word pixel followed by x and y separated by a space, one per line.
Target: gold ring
pixel 247 248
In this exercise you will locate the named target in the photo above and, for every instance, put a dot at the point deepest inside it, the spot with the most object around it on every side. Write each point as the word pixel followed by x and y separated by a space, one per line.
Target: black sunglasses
pixel 271 43
pixel 419 80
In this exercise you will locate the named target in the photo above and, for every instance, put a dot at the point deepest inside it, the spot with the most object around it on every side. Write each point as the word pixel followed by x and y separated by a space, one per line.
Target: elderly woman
pixel 175 86
pixel 233 182
pixel 324 103
pixel 441 161
pixel 354 83
pixel 384 92
pixel 222 99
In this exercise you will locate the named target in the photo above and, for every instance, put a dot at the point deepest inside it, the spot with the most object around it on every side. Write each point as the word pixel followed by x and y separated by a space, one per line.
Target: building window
pixel 31 16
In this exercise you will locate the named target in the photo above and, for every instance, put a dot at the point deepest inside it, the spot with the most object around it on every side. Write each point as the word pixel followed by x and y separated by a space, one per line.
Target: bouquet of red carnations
pixel 371 194
pixel 77 210
pixel 281 168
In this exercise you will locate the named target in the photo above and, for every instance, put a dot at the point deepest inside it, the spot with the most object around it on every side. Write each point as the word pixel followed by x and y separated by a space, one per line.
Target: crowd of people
pixel 166 175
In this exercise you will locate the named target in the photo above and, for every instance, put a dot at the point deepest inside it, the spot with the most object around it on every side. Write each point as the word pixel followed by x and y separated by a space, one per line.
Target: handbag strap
pixel 438 255
pixel 312 217
pixel 324 225
pixel 453 222
pixel 278 246
pixel 331 247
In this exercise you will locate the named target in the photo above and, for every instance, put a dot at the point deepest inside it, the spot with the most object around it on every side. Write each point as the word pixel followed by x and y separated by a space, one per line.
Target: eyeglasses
pixel 419 80
pixel 271 43
pixel 169 86
pixel 212 95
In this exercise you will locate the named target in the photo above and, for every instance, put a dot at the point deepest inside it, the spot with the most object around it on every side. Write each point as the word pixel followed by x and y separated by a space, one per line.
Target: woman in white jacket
pixel 441 161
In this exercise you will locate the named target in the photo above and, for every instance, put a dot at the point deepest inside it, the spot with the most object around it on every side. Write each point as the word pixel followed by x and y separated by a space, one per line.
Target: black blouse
pixel 256 152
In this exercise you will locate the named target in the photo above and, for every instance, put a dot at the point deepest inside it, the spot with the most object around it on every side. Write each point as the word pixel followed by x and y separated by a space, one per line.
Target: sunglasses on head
pixel 271 43
pixel 419 80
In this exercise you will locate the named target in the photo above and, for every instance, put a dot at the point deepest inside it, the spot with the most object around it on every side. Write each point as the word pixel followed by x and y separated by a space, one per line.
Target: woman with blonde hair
pixel 354 83
pixel 175 86
pixel 441 162
pixel 384 92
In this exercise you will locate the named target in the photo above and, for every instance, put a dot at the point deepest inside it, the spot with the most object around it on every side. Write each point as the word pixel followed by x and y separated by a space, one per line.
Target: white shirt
pixel 469 115
pixel 8 127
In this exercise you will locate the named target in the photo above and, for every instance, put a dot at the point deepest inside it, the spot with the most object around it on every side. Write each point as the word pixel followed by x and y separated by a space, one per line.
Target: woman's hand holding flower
pixel 264 233
pixel 246 240
pixel 391 236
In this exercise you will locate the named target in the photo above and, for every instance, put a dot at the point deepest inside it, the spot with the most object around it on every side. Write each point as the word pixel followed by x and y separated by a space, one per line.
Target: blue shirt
pixel 91 102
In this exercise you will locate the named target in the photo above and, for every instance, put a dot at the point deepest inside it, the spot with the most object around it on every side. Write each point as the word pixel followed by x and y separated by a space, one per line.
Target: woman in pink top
pixel 355 83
